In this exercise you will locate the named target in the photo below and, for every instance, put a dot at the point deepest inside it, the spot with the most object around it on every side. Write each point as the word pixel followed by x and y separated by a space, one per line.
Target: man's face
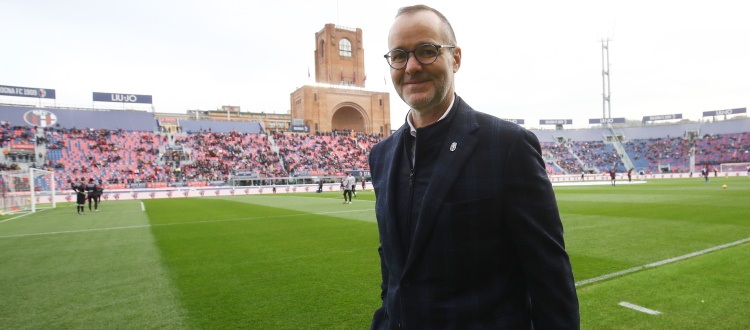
pixel 423 87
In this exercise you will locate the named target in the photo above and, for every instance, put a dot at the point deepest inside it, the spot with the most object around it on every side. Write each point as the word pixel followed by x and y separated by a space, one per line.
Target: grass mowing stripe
pixel 104 279
pixel 319 203
pixel 300 271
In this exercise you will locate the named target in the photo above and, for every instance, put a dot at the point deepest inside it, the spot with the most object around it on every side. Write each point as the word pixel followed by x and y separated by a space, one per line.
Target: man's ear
pixel 456 59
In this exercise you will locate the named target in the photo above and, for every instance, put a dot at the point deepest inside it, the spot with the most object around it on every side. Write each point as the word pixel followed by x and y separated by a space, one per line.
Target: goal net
pixel 27 190
pixel 733 167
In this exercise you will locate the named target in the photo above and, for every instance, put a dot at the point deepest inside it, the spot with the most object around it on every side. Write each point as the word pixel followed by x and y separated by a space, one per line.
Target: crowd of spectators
pixel 9 167
pixel 322 153
pixel 117 156
pixel 597 154
pixel 18 144
pixel 131 157
pixel 216 156
pixel 670 152
pixel 726 148
pixel 562 158
pixel 109 156
pixel 16 134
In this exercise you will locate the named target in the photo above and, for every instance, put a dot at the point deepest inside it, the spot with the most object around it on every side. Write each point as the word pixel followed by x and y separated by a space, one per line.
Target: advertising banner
pixel 662 117
pixel 724 112
pixel 515 121
pixel 359 173
pixel 123 98
pixel 21 146
pixel 556 122
pixel 300 128
pixel 246 174
pixel 42 93
pixel 607 121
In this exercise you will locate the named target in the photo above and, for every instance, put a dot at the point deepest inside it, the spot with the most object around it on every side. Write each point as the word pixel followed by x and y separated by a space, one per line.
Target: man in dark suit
pixel 470 234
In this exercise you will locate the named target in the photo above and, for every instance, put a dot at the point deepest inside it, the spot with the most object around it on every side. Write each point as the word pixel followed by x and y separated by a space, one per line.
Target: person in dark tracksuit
pixel 80 190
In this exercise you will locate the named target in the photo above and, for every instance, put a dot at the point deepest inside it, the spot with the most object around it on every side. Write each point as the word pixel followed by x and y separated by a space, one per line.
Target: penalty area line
pixel 660 263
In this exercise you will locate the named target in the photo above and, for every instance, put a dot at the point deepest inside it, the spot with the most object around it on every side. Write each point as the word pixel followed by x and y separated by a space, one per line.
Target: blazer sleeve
pixel 537 232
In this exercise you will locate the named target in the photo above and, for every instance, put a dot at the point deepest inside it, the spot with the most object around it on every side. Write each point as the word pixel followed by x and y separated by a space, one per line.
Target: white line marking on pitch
pixel 21 216
pixel 75 231
pixel 592 183
pixel 639 308
pixel 659 263
pixel 14 218
pixel 143 207
pixel 182 223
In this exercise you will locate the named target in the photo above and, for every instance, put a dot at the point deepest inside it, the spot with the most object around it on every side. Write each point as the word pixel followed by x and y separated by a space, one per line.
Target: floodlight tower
pixel 606 96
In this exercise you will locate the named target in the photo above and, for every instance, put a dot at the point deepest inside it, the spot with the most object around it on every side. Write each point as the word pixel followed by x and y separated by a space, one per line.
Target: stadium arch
pixel 350 116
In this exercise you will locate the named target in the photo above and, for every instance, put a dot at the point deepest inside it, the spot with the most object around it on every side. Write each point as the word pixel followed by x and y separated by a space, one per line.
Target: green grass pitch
pixel 307 261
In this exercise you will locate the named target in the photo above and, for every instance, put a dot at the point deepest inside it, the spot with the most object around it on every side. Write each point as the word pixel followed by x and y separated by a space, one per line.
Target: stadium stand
pixel 126 147
pixel 723 148
pixel 324 154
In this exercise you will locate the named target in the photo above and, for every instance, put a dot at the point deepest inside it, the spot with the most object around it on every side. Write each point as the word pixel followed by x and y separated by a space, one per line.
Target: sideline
pixel 595 183
pixel 660 263
pixel 184 223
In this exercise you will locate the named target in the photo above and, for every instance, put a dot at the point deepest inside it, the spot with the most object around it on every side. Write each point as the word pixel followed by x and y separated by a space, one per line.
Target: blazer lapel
pixel 459 144
pixel 391 165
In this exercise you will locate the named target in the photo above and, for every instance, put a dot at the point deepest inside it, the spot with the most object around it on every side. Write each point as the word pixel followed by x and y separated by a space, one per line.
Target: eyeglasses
pixel 425 54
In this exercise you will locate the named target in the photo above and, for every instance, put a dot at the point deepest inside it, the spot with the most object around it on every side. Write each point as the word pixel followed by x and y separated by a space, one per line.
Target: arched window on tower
pixel 345 48
pixel 322 49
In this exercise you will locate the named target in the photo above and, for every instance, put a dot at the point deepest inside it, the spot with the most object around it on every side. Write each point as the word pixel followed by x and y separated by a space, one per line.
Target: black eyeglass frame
pixel 437 52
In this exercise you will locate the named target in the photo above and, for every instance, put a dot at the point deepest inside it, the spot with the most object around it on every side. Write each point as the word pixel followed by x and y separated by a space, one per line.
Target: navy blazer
pixel 488 249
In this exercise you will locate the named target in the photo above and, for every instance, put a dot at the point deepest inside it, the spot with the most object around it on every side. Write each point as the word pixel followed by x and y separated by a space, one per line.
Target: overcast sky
pixel 521 59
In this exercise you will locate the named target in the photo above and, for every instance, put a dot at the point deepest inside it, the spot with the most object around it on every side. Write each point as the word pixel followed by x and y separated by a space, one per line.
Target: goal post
pixel 27 190
pixel 44 187
pixel 733 167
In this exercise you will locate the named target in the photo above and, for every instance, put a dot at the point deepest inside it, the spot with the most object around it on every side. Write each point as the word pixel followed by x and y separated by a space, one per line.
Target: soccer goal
pixel 733 167
pixel 27 191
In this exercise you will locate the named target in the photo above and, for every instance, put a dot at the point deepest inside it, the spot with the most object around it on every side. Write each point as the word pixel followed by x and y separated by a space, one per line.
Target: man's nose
pixel 412 65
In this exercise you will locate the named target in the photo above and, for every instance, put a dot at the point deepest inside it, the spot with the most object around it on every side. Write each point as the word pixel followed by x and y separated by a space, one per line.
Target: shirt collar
pixel 413 131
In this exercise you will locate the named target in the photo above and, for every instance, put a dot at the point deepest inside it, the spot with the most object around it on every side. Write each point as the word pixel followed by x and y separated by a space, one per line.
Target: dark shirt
pixel 414 178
